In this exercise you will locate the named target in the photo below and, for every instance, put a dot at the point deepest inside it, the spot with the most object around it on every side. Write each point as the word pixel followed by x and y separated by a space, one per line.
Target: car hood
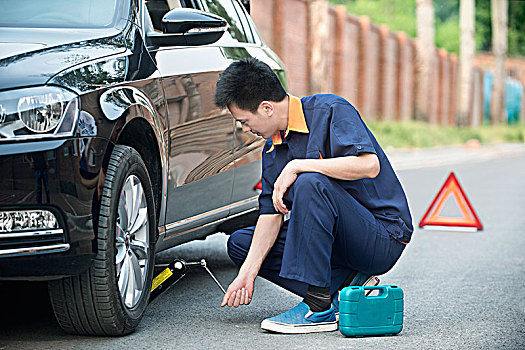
pixel 33 56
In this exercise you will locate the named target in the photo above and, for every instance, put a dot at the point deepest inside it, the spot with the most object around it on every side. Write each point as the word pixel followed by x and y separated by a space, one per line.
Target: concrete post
pixel 278 27
pixel 466 54
pixel 262 14
pixel 499 11
pixel 425 57
pixel 477 100
pixel 453 89
pixel 318 40
pixel 387 83
pixel 364 30
pixel 522 111
pixel 444 86
pixel 339 74
pixel 433 88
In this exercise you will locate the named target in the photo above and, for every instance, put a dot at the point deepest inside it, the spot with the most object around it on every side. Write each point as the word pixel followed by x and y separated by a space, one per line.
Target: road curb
pixel 406 159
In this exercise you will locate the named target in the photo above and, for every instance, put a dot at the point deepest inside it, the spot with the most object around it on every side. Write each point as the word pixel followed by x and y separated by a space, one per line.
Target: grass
pixel 418 134
pixel 400 15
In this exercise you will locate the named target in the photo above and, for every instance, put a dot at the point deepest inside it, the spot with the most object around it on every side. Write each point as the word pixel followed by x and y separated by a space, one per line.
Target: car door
pixel 247 146
pixel 200 175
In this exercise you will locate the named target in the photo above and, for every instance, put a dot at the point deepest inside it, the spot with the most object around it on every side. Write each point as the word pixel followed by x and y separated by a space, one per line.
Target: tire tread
pixel 84 304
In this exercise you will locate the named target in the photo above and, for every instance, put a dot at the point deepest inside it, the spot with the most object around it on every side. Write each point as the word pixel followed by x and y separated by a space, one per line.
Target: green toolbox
pixel 379 313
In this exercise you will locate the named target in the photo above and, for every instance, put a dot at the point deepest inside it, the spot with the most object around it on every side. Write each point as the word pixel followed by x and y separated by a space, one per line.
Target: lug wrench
pixel 203 264
pixel 173 273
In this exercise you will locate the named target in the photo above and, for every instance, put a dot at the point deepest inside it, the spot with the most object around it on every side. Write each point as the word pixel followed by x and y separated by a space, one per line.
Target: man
pixel 38 162
pixel 321 165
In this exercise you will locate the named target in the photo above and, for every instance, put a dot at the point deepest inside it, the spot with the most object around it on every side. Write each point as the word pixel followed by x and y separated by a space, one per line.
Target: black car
pixel 111 147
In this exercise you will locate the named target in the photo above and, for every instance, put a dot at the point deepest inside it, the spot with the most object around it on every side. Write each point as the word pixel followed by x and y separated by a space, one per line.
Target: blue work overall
pixel 335 226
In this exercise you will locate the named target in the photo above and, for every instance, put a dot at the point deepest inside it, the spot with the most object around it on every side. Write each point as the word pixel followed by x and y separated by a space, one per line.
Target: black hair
pixel 247 83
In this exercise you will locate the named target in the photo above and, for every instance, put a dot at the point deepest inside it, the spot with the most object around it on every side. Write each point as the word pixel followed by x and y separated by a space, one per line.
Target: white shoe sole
pixel 299 329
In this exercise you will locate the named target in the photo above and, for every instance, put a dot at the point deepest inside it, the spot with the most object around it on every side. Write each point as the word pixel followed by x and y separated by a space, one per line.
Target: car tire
pixel 111 297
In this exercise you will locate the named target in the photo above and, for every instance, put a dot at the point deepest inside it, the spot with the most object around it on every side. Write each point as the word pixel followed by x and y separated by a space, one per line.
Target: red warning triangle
pixel 451 188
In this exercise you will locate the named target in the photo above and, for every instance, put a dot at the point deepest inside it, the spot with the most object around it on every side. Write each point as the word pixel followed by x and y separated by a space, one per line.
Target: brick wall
pixel 371 66
pixel 347 56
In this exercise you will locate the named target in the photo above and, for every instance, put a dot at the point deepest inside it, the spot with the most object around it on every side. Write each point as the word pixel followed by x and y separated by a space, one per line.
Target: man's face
pixel 259 123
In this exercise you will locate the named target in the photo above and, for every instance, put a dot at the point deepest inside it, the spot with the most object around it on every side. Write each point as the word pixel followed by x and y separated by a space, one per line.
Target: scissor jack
pixel 173 273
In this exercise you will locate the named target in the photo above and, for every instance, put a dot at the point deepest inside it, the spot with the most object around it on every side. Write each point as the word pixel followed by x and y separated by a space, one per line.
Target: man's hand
pixel 282 184
pixel 239 292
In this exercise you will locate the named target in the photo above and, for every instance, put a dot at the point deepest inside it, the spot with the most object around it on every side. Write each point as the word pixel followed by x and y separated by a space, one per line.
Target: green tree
pixel 516 29
pixel 400 15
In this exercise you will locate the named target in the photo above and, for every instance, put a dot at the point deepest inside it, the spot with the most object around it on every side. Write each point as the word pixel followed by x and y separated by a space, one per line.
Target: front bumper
pixel 65 179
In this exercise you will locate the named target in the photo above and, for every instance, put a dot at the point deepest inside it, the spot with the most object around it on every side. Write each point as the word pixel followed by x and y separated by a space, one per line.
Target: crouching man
pixel 321 165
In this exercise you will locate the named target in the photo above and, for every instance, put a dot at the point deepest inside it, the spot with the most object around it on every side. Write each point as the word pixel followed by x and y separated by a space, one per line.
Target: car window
pixel 60 13
pixel 242 15
pixel 194 4
pixel 226 10
pixel 158 8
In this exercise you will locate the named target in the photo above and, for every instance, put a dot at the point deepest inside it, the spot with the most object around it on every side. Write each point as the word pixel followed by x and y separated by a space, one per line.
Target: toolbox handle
pixel 383 292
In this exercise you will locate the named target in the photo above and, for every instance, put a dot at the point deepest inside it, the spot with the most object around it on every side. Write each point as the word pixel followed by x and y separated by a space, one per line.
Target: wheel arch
pixel 138 126
pixel 139 134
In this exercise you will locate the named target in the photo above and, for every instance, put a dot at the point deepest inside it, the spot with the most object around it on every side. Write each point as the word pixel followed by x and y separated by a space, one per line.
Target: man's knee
pixel 309 180
pixel 238 245
pixel 233 247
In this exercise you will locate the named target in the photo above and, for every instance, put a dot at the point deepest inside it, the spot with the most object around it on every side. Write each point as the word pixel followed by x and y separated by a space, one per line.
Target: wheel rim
pixel 132 241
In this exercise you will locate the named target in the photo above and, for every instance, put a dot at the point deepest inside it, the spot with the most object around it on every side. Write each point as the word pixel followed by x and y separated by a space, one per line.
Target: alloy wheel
pixel 132 241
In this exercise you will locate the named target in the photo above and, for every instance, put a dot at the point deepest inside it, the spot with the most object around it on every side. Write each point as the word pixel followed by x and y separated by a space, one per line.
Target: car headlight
pixel 38 112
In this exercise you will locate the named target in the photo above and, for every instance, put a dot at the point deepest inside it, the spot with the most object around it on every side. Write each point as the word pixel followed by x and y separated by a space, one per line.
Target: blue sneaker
pixel 301 320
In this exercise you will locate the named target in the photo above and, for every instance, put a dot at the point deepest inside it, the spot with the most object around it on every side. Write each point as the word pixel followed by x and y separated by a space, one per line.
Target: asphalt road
pixel 462 290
